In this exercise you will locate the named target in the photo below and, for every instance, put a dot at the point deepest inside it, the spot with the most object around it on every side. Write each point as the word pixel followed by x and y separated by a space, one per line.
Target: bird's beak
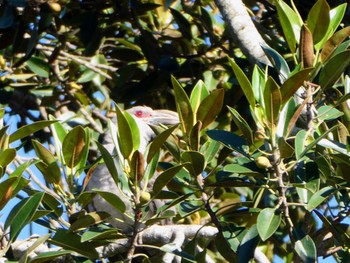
pixel 165 117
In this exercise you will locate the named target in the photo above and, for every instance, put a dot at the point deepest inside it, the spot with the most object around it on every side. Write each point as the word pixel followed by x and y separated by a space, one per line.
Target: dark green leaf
pixel 22 214
pixel 334 69
pixel 49 256
pixel 106 234
pixel 230 140
pixel 109 162
pixel 244 82
pixel 193 161
pixel 89 219
pixel 318 20
pixel 112 199
pixel 164 178
pixel 182 22
pixel 69 240
pixel 332 43
pixel 29 129
pixel 183 106
pixel 319 197
pixel 248 245
pixel 277 61
pixel 39 67
pixel 125 137
pixel 7 156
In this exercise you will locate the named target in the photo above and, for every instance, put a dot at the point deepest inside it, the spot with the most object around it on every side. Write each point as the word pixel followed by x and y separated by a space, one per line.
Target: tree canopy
pixel 260 155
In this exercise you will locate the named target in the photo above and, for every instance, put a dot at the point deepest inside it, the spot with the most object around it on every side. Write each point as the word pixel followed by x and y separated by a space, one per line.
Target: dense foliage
pixel 261 152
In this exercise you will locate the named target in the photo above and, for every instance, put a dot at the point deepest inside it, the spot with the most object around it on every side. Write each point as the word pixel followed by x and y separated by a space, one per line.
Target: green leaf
pixel 198 94
pixel 29 129
pixel 49 256
pixel 272 99
pixel 72 241
pixel 242 170
pixel 113 200
pixel 277 61
pixel 183 106
pixel 328 112
pixel 193 161
pixel 89 219
pixel 22 214
pixel 244 82
pixel 105 234
pixel 319 197
pixel 164 178
pixel 268 222
pixel 306 249
pixel 293 83
pixel 258 84
pixel 125 138
pixel 248 245
pixel 73 146
pixel 318 20
pixel 39 66
pixel 230 140
pixel 300 139
pixel 334 68
pixel 135 132
pixel 194 137
pixel 7 156
pixel 158 142
pixel 210 107
pixel 48 166
pixel 291 24
pixel 109 162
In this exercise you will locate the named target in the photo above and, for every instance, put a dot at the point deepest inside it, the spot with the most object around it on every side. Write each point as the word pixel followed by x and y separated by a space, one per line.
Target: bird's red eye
pixel 139 114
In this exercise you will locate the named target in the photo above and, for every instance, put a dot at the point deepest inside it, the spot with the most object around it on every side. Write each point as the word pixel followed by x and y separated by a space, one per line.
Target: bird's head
pixel 154 117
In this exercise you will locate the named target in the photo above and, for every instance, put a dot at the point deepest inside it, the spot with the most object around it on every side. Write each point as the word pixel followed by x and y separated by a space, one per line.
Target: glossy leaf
pixel 334 69
pixel 230 140
pixel 300 140
pixel 125 138
pixel 109 162
pixel 318 20
pixel 70 240
pixel 198 94
pixel 183 106
pixel 193 161
pixel 278 62
pixel 106 234
pixel 135 132
pixel 29 129
pixel 48 166
pixel 248 245
pixel 319 197
pixel 210 107
pixel 332 43
pixel 244 82
pixel 272 99
pixel 112 199
pixel 73 146
pixel 258 84
pixel 242 170
pixel 50 255
pixel 158 142
pixel 306 249
pixel 39 66
pixel 22 214
pixel 164 178
pixel 293 83
pixel 268 222
pixel 327 112
pixel 7 156
pixel 89 219
pixel 291 23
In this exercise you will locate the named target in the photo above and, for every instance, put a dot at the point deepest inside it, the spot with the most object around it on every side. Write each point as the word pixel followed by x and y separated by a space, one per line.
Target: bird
pixel 103 181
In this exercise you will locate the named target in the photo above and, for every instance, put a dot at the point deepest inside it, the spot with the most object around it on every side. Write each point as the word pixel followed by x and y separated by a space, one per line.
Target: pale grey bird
pixel 102 180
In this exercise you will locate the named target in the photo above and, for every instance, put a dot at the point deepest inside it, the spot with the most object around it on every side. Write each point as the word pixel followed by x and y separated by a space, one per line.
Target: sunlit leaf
pixel 273 99
pixel 318 20
pixel 29 129
pixel 193 161
pixel 306 249
pixel 332 43
pixel 319 197
pixel 198 94
pixel 244 82
pixel 306 47
pixel 73 146
pixel 210 107
pixel 268 222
